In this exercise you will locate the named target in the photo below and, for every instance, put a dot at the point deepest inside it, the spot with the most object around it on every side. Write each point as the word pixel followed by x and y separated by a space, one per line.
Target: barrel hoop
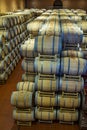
pixel 53 44
pixel 28 86
pixel 41 67
pixel 36 44
pixel 50 85
pixel 78 65
pixel 51 68
pixel 42 43
pixel 68 65
pixel 22 85
pixel 41 84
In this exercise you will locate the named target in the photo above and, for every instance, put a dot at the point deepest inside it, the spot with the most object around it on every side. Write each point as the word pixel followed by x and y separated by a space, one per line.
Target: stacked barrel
pixel 13 32
pixel 54 64
pixel 23 112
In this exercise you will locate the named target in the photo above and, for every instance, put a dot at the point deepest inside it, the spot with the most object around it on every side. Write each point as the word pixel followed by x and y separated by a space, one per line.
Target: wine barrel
pixel 26 86
pixel 69 100
pixel 71 85
pixel 12 33
pixel 13 53
pixel 28 77
pixel 8 45
pixel 84 40
pixel 3 76
pixel 23 116
pixel 5 48
pixel 14 63
pixel 4 22
pixel 72 34
pixel 75 18
pixel 67 115
pixel 2 54
pixel 45 115
pixel 22 99
pixel 19 57
pixel 11 67
pixel 16 59
pixel 51 28
pixel 73 66
pixel 46 65
pixel 34 27
pixel 6 34
pixel 45 99
pixel 72 53
pixel 8 71
pixel 46 83
pixel 13 43
pixel 18 38
pixel 48 44
pixel 11 57
pixel 3 65
pixel 2 39
pixel 28 65
pixel 83 24
pixel 27 50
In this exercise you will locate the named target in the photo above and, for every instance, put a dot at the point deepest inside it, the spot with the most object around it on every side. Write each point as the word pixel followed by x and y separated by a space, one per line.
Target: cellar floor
pixel 6 120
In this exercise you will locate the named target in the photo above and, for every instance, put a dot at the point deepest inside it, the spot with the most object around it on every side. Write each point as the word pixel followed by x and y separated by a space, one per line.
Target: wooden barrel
pixel 11 57
pixel 48 44
pixel 7 60
pixel 8 71
pixel 3 65
pixel 27 50
pixel 19 57
pixel 22 99
pixel 73 66
pixel 11 67
pixel 72 34
pixel 18 38
pixel 8 45
pixel 13 53
pixel 28 65
pixel 6 34
pixel 13 43
pixel 4 22
pixel 23 116
pixel 76 18
pixel 5 48
pixel 2 54
pixel 66 115
pixel 51 28
pixel 16 59
pixel 12 33
pixel 48 83
pixel 2 39
pixel 26 86
pixel 28 77
pixel 3 76
pixel 72 53
pixel 15 30
pixel 69 100
pixel 84 40
pixel 47 65
pixel 45 99
pixel 33 27
pixel 71 85
pixel 45 114
pixel 82 24
pixel 14 63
